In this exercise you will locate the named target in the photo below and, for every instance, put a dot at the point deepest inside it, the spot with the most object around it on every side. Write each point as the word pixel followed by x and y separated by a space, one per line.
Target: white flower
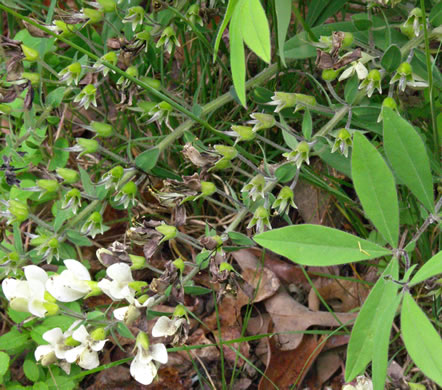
pixel 71 284
pixel 118 288
pixel 128 314
pixel 27 295
pixel 363 383
pixel 143 368
pixel 86 354
pixel 166 326
pixel 355 66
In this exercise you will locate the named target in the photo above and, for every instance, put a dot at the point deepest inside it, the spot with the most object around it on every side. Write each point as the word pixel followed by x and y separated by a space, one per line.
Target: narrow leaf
pixel 374 184
pixel 391 58
pixel 423 343
pixel 255 29
pixel 148 159
pixel 307 125
pixel 431 268
pixel 283 15
pixel 382 337
pixel 226 20
pixel 363 337
pixel 237 57
pixel 407 154
pixel 318 245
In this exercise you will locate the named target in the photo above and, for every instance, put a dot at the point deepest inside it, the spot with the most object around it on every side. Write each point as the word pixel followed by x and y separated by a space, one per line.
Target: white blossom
pixel 166 326
pixel 118 288
pixel 71 284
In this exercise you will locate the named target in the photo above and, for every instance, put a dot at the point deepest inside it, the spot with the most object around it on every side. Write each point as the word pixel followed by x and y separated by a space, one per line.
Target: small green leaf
pixel 78 238
pixel 237 57
pixel 285 172
pixel 196 290
pixel 227 16
pixel 86 181
pixel 55 97
pixel 351 89
pixel 255 28
pixel 407 154
pixel 4 363
pixel 307 125
pixel 61 156
pixel 283 10
pixel 31 370
pixel 318 245
pixel 40 386
pixel 392 58
pixel 124 331
pixel 435 17
pixel 240 239
pixel 421 340
pixel 13 339
pixel 363 336
pixel 431 268
pixel 374 184
pixel 148 159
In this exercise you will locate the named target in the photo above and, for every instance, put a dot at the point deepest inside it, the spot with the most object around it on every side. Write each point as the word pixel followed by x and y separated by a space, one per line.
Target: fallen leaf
pixel 326 365
pixel 232 333
pixel 289 315
pixel 208 354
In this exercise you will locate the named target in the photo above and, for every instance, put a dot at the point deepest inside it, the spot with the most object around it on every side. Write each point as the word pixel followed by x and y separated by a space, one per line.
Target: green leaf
pixel 255 28
pixel 351 89
pixel 392 58
pixel 86 181
pixel 240 239
pixel 374 184
pixel 31 370
pixel 237 57
pixel 13 339
pixel 40 386
pixel 320 10
pixel 283 10
pixel 421 340
pixel 148 159
pixel 318 245
pixel 435 17
pixel 228 15
pixel 55 97
pixel 307 125
pixel 196 290
pixel 286 172
pixel 407 155
pixel 78 238
pixel 361 22
pixel 124 331
pixel 61 156
pixel 382 337
pixel 363 336
pixel 431 268
pixel 4 363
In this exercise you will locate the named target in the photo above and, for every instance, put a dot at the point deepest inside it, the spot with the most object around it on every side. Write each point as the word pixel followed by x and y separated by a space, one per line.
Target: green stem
pixel 331 124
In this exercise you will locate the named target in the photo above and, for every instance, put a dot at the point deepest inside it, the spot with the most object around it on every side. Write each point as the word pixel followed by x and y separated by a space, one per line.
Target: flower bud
pixel 88 146
pixel 224 266
pixel 69 176
pixel 130 188
pixel 329 74
pixel 405 69
pixel 102 129
pixel 132 71
pixel 48 359
pixel 19 210
pixel 262 121
pixel 51 308
pixel 71 342
pixel 94 16
pixel 179 264
pixel 117 172
pixel 48 185
pixel 228 152
pixel 107 5
pixel 138 262
pixel 30 54
pixel 98 334
pixel 34 78
pixel 221 164
pixel 95 217
pixel 348 40
pixel 374 75
pixel 390 103
pixel 307 99
pixel 153 83
pixel 137 285
pixel 53 243
pixel 180 311
pixel 262 212
pixel 207 188
pixel 49 298
pixel 245 133
pixel 142 340
pixel 168 231
pixel 95 290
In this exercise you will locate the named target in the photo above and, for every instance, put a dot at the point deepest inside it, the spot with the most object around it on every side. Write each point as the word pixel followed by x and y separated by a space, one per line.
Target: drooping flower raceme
pixel 85 354
pixel 71 284
pixel 29 295
pixel 118 287
pixel 144 367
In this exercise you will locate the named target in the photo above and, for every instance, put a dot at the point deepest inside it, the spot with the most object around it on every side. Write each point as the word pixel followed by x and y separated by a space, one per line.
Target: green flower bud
pixel 221 164
pixel 95 290
pixel 117 172
pixel 138 262
pixel 343 134
pixel 180 311
pixel 261 212
pixel 48 185
pixel 49 298
pixel 130 188
pixel 303 147
pixel 405 69
pixel 95 217
pixel 94 16
pixel 34 78
pixel 245 133
pixel 107 5
pixel 71 342
pixel 51 308
pixel 111 57
pixel 18 210
pixel 164 106
pixel 390 103
pixel 168 231
pixel 225 267
pixel 53 243
pixel 132 71
pixel 137 285
pixel 5 109
pixel 144 35
pixel 69 176
pixel 348 40
pixel 179 264
pixel 207 188
pixel 307 99
pixel 374 75
pixel 48 359
pixel 329 74
pixel 39 240
pixel 262 121
pixel 142 340
pixel 74 68
pixel 30 54
pixel 98 334
pixel 88 146
pixel 228 152
pixel 102 129
pixel 154 83
pixel 146 106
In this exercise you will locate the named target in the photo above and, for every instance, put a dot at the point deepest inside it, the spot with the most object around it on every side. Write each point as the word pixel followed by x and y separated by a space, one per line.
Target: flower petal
pixel 53 336
pixel 32 272
pixel 36 308
pixel 72 355
pixel 159 353
pixel 43 350
pixel 143 372
pixel 78 269
pixel 81 334
pixel 88 359
pixel 58 286
pixel 120 313
pixel 120 272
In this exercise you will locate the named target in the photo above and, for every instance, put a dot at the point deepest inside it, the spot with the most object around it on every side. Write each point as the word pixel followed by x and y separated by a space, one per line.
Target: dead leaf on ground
pixel 232 333
pixel 289 315
pixel 256 275
pixel 286 368
pixel 341 295
pixel 326 365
